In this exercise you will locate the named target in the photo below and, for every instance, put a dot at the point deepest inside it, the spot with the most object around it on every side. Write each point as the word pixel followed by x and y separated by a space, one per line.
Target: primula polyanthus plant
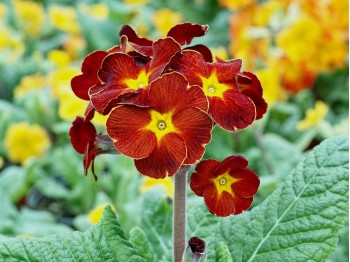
pixel 163 99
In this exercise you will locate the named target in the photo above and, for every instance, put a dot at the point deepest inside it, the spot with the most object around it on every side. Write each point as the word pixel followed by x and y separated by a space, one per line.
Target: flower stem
pixel 179 214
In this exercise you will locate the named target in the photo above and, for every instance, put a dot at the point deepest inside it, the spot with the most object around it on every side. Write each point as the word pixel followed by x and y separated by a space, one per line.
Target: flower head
pixel 235 99
pixel 24 141
pixel 227 187
pixel 168 133
pixel 314 116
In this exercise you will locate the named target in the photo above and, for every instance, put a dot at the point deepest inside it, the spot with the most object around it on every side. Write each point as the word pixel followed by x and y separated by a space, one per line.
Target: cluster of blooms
pixel 289 42
pixel 162 99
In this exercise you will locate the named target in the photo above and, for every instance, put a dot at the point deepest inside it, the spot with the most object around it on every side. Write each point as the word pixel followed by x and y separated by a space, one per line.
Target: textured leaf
pixel 156 222
pixel 301 219
pixel 141 243
pixel 103 242
pixel 223 254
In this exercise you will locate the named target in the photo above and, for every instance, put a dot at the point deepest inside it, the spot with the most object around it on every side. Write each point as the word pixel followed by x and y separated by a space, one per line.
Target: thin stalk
pixel 179 214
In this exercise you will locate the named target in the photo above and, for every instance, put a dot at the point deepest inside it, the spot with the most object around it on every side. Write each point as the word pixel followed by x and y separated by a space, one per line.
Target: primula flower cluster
pixel 162 99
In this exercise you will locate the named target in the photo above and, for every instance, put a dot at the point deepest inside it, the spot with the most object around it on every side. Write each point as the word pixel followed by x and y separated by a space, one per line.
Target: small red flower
pixel 123 75
pixel 235 99
pixel 169 133
pixel 227 187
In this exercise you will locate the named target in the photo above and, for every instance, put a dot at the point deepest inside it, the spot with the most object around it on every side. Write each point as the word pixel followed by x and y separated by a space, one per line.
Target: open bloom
pixel 235 99
pixel 227 187
pixel 169 133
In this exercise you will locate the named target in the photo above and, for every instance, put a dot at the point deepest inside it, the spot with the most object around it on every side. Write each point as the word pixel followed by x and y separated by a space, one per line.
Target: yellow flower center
pixel 161 124
pixel 212 86
pixel 140 82
pixel 224 182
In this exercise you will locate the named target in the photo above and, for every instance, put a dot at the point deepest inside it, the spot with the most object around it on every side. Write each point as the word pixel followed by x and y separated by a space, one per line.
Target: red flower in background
pixel 123 75
pixel 169 133
pixel 227 187
pixel 235 99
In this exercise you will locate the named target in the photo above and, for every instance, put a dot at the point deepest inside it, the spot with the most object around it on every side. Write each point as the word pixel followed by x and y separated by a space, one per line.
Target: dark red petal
pixel 171 92
pixel 235 111
pixel 184 33
pixel 125 125
pixel 165 160
pixel 226 70
pixel 134 37
pixel 250 86
pixel 247 184
pixel 195 129
pixel 81 133
pixel 90 153
pixel 221 205
pixel 242 204
pixel 89 112
pixel 192 65
pixel 81 83
pixel 138 99
pixel 229 163
pixel 163 50
pixel 201 178
pixel 203 50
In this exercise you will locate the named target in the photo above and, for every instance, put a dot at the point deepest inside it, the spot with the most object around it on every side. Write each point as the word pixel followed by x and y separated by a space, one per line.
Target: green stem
pixel 179 214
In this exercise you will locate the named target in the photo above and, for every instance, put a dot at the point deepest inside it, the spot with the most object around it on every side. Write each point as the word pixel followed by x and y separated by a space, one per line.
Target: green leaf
pixel 141 243
pixel 103 242
pixel 223 254
pixel 156 222
pixel 301 219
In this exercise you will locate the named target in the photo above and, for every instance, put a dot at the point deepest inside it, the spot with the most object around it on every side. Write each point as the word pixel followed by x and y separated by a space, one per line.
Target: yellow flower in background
pixel 236 4
pixel 138 2
pixel 11 45
pixel 59 58
pixel 97 11
pixel 59 80
pixel 164 19
pixel 29 83
pixel 74 45
pixel 1 162
pixel 3 11
pixel 30 16
pixel 220 52
pixel 95 215
pixel 166 184
pixel 70 106
pixel 23 141
pixel 313 116
pixel 64 18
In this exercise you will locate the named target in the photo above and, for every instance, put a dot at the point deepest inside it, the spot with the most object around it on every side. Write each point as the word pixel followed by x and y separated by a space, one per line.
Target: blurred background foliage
pixel 298 49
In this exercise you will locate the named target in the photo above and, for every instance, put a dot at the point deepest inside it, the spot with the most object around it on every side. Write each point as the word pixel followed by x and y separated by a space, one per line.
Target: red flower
pixel 235 99
pixel 181 33
pixel 227 187
pixel 91 64
pixel 85 141
pixel 169 133
pixel 123 75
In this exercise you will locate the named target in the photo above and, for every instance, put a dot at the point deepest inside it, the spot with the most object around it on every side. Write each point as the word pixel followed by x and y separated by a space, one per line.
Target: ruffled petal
pixel 171 91
pixel 165 160
pixel 241 204
pixel 81 133
pixel 203 50
pixel 192 65
pixel 232 162
pixel 235 111
pixel 195 128
pixel 226 70
pixel 247 183
pixel 125 125
pixel 200 179
pixel 163 50
pixel 184 33
pixel 221 205
pixel 250 86
pixel 140 44
pixel 90 153
pixel 82 83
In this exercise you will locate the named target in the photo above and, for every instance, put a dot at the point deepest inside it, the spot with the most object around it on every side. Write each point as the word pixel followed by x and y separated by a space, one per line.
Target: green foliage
pixel 103 242
pixel 141 243
pixel 223 254
pixel 301 219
